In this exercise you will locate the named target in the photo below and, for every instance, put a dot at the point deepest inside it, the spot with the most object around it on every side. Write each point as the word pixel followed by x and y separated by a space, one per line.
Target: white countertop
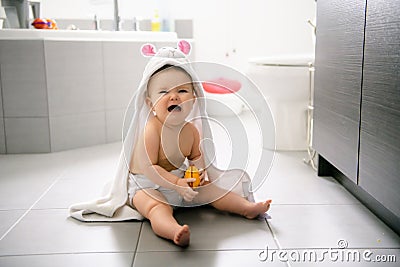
pixel 34 34
pixel 296 60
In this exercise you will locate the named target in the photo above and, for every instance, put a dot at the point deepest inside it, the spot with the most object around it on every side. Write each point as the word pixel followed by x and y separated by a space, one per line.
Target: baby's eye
pixel 163 92
pixel 183 91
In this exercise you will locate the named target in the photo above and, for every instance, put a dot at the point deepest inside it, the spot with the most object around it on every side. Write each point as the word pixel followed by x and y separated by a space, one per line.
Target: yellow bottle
pixel 193 172
pixel 155 22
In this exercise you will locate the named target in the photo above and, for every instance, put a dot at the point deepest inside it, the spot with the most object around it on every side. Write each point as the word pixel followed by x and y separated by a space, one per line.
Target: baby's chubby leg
pixel 152 205
pixel 229 201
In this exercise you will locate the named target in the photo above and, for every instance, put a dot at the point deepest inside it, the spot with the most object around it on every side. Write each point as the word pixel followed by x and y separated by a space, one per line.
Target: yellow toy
pixel 193 172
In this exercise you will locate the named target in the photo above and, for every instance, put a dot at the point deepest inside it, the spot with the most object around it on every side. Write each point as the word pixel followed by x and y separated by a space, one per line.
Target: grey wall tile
pixel 27 135
pixel 17 52
pixel 89 24
pixel 184 28
pixel 114 123
pixel 24 90
pixel 73 131
pixel 107 24
pixel 82 24
pixel 123 70
pixel 22 78
pixel 74 77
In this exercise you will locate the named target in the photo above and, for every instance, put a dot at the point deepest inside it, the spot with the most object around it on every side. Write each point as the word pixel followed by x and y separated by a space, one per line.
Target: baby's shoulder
pixel 152 125
pixel 191 127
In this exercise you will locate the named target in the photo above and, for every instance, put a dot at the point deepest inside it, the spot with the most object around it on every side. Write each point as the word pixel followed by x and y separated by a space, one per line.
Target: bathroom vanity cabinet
pixel 63 89
pixel 379 159
pixel 338 73
pixel 357 100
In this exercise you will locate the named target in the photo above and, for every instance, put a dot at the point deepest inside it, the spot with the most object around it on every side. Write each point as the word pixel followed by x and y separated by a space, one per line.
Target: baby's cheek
pixel 159 101
pixel 188 102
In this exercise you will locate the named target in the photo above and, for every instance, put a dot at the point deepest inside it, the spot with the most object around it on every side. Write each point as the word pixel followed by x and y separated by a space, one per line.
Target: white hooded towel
pixel 113 205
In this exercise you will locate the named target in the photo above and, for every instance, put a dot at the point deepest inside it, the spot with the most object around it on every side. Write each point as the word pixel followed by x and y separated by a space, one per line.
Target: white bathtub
pixel 86 35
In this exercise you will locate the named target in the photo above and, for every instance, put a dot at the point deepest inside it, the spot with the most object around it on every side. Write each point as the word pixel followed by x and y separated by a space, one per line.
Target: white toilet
pixel 285 84
pixel 222 97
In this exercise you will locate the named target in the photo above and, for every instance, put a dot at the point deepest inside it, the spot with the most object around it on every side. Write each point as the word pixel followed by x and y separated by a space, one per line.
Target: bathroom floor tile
pixel 8 218
pixel 323 226
pixel 211 230
pixel 308 212
pixel 84 180
pixel 24 178
pixel 87 154
pixel 345 257
pixel 52 231
pixel 97 163
pixel 230 258
pixel 67 260
pixel 64 193
pixel 300 184
pixel 101 170
pixel 23 191
pixel 237 141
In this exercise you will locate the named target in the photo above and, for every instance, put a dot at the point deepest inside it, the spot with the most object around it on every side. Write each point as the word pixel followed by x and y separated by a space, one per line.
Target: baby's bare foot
pixel 257 209
pixel 182 236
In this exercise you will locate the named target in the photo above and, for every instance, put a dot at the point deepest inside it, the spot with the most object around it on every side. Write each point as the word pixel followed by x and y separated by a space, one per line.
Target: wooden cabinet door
pixel 379 169
pixel 338 75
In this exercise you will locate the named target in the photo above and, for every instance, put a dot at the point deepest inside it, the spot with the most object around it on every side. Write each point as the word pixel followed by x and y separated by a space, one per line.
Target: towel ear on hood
pixel 184 46
pixel 148 50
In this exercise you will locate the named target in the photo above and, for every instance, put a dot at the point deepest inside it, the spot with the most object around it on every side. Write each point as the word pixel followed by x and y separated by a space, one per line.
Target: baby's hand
pixel 202 177
pixel 185 190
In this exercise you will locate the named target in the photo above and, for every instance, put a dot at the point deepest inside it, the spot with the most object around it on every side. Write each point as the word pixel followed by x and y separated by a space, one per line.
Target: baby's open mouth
pixel 174 108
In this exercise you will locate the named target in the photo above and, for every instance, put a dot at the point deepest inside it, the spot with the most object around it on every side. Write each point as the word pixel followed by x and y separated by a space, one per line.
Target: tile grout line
pixel 66 253
pixel 274 236
pixel 319 204
pixel 276 240
pixel 137 244
pixel 31 207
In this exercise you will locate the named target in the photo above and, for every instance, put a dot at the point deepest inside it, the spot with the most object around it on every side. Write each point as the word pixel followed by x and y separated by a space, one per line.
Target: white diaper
pixel 139 181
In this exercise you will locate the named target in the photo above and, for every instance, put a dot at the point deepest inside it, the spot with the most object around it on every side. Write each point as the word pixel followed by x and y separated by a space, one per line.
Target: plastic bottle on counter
pixel 155 22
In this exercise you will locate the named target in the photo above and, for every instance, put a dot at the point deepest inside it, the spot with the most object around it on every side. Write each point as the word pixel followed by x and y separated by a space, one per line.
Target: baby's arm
pixel 155 172
pixel 196 157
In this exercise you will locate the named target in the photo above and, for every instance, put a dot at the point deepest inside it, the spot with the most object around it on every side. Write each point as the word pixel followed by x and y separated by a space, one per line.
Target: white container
pixel 285 83
pixel 223 104
pixel 3 16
